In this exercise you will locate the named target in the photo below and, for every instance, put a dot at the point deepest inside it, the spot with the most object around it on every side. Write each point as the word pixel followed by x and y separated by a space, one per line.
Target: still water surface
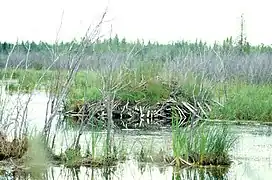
pixel 252 154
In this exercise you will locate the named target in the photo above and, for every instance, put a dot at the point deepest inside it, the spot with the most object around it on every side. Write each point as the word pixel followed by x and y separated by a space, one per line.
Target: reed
pixel 202 145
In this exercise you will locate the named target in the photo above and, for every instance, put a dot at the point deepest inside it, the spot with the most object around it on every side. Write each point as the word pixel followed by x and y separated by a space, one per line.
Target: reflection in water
pixel 252 155
pixel 123 172
pixel 202 173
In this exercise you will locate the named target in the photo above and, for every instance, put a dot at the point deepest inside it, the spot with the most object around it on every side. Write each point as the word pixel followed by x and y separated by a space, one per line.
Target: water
pixel 252 154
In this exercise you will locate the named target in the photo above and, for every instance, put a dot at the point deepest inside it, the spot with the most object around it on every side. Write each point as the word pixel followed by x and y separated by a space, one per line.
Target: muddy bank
pixel 131 114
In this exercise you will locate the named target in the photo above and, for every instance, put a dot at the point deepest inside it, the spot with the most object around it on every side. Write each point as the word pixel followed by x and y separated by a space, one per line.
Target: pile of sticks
pixel 138 115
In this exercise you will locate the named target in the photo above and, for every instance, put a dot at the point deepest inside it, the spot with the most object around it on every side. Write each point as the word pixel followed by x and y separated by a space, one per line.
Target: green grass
pixel 146 84
pixel 147 87
pixel 151 92
pixel 95 153
pixel 150 84
pixel 246 102
pixel 201 145
pixel 27 79
pixel 73 157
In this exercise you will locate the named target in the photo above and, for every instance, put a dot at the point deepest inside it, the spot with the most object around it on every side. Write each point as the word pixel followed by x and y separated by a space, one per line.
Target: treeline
pixel 139 47
pixel 100 53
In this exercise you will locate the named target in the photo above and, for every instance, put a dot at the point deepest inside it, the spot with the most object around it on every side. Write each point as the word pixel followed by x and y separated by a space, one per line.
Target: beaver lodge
pixel 127 113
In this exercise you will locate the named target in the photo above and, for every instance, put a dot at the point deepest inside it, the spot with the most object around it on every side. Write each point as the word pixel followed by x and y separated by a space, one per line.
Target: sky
pixel 155 20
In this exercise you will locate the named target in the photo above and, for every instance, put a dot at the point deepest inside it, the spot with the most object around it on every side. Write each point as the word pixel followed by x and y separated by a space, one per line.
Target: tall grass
pixel 28 79
pixel 92 151
pixel 246 102
pixel 201 145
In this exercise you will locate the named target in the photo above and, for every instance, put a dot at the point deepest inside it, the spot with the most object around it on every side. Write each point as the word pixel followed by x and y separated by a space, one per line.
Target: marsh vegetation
pixel 95 89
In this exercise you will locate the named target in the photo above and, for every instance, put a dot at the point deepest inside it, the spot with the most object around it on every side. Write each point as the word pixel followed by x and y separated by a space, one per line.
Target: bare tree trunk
pixel 109 100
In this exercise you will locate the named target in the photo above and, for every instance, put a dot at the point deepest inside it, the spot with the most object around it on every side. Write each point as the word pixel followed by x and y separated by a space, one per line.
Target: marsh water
pixel 251 155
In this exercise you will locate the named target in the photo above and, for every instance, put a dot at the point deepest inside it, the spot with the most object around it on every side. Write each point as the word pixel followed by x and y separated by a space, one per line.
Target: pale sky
pixel 156 20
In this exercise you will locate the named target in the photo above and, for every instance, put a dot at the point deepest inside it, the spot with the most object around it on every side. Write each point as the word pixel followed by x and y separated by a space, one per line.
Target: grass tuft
pixel 202 145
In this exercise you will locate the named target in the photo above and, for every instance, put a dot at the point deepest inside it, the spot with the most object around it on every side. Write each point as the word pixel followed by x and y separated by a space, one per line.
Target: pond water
pixel 252 154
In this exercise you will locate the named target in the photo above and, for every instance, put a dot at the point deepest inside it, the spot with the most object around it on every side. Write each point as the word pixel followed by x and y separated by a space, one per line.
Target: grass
pixel 202 146
pixel 246 102
pixel 138 85
pixel 242 101
pixel 27 79
pixel 95 153
pixel 34 153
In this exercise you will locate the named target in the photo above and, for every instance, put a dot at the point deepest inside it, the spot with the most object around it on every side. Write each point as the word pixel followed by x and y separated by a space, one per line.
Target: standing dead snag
pixel 109 101
pixel 74 61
